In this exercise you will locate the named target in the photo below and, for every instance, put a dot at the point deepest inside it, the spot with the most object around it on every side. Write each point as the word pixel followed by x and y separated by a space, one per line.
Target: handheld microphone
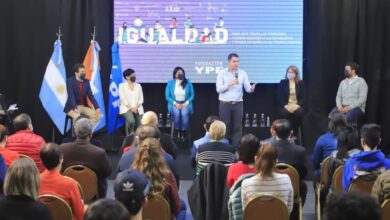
pixel 236 75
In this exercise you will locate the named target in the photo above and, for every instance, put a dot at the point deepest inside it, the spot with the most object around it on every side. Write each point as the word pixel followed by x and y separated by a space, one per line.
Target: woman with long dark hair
pixel 179 94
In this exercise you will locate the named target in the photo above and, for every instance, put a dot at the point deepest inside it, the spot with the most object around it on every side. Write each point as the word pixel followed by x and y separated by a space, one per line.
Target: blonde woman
pixel 132 98
pixel 291 97
pixel 149 161
pixel 21 189
pixel 266 181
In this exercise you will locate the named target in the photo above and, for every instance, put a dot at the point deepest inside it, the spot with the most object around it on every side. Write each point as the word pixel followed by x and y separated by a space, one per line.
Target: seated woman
pixel 347 146
pixel 149 161
pixel 215 151
pixel 21 189
pixel 249 145
pixel 266 181
pixel 179 94
pixel 291 98
pixel 132 98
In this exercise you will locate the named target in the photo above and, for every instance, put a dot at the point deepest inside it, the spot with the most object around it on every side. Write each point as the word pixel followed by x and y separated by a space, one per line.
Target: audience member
pixel 215 151
pixel 82 152
pixel 106 209
pixel 370 160
pixel 25 141
pixel 7 154
pixel 131 188
pixel 272 139
pixel 345 149
pixel 351 205
pixel 21 188
pixel 291 154
pixel 327 143
pixel 266 181
pixel 381 188
pixel 150 162
pixel 205 139
pixel 150 119
pixel 141 134
pixel 249 145
pixel 53 183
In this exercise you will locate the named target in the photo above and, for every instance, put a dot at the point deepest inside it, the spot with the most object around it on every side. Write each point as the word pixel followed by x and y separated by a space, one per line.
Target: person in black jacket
pixel 291 97
pixel 291 153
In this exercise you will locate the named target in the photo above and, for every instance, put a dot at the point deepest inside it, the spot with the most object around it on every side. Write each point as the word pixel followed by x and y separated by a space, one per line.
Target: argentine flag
pixel 92 73
pixel 113 96
pixel 53 94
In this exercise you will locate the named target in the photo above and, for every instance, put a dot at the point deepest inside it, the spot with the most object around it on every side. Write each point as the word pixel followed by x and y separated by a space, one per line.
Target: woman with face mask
pixel 132 98
pixel 291 98
pixel 179 94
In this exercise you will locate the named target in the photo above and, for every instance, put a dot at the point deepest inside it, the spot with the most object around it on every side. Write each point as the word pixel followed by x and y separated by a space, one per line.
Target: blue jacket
pixel 170 94
pixel 73 89
pixel 369 161
pixel 325 145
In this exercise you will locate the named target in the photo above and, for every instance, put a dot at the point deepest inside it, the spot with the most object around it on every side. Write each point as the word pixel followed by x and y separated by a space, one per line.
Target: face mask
pixel 132 78
pixel 180 76
pixel 290 76
pixel 347 74
pixel 82 75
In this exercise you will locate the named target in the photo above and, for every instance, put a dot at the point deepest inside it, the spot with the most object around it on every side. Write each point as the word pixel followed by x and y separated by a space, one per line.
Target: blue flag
pixel 113 97
pixel 53 94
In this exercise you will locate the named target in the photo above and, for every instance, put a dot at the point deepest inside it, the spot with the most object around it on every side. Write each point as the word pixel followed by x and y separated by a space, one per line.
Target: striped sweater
pixel 215 152
pixel 278 185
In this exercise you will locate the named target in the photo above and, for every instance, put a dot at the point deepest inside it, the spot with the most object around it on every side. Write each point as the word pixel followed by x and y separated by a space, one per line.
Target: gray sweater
pixel 352 92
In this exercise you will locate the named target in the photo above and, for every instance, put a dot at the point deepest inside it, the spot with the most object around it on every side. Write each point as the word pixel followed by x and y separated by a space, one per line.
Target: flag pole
pixel 94 33
pixel 59 33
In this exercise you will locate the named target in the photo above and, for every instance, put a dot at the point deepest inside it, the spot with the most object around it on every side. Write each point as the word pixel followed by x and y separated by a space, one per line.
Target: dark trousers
pixel 350 116
pixel 295 118
pixel 231 114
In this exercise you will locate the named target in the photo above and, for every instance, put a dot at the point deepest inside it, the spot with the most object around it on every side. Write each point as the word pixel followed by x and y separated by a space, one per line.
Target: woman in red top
pixel 8 155
pixel 149 161
pixel 249 145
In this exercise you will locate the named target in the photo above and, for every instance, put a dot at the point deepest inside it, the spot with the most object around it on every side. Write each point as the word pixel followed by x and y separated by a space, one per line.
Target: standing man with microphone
pixel 230 85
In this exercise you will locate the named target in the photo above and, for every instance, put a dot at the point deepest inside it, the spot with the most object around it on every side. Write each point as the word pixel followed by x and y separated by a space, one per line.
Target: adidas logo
pixel 127 186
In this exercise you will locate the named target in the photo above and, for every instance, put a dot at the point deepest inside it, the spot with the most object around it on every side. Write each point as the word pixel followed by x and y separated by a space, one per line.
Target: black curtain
pixel 338 31
pixel 335 32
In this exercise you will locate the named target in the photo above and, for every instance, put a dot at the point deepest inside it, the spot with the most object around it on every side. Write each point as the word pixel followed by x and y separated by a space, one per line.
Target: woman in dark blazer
pixel 291 98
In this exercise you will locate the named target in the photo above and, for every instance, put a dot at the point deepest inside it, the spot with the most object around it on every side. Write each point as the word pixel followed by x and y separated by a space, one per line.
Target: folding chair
pixel 87 180
pixel 265 207
pixel 59 208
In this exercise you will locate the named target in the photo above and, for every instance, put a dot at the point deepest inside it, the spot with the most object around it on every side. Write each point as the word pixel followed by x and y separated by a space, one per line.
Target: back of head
pixel 149 161
pixel 3 132
pixel 209 121
pixel 282 128
pixel 22 122
pixel 351 205
pixel 249 145
pixel 106 209
pixel 266 159
pixel 145 131
pixel 337 121
pixel 51 155
pixel 131 187
pixel 217 130
pixel 149 118
pixel 22 178
pixel 83 128
pixel 344 142
pixel 371 135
